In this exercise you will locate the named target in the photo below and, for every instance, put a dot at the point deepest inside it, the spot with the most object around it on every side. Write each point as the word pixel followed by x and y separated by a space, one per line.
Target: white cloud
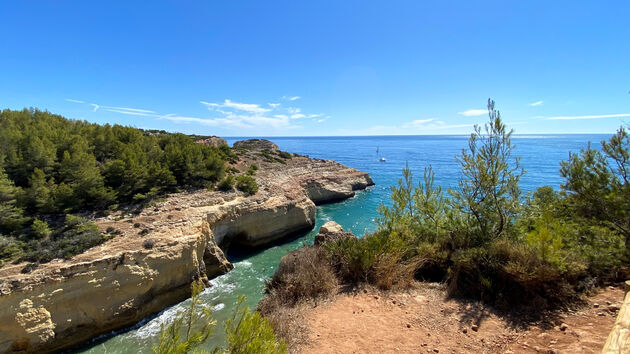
pixel 236 106
pixel 128 109
pixel 590 116
pixel 418 126
pixel 228 114
pixel 473 112
pixel 71 100
pixel 537 103
pixel 291 98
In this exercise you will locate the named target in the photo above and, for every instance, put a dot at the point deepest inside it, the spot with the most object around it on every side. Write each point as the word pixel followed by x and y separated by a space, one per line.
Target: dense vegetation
pixel 51 167
pixel 245 331
pixel 484 238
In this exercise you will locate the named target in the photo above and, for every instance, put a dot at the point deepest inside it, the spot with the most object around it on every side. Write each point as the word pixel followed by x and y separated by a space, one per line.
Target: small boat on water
pixel 382 159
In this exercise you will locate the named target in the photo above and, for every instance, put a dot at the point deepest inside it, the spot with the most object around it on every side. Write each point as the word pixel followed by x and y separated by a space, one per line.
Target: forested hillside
pixel 51 166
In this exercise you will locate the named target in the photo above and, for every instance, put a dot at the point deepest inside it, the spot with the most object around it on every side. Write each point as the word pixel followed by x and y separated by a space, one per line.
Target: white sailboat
pixel 382 159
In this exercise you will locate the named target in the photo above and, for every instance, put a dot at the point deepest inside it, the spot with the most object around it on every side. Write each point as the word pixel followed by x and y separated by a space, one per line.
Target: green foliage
pixel 382 258
pixel 252 170
pixel 227 184
pixel 420 211
pixel 50 166
pixel 285 155
pixel 40 229
pixel 488 194
pixel 597 184
pixel 11 216
pixel 189 330
pixel 248 332
pixel 68 239
pixel 246 184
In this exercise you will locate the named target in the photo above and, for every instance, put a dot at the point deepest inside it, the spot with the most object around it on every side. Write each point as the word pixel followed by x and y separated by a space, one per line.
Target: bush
pixel 227 184
pixel 380 258
pixel 252 170
pixel 75 236
pixel 302 274
pixel 285 155
pixel 247 184
pixel 40 229
pixel 189 330
pixel 148 243
pixel 248 332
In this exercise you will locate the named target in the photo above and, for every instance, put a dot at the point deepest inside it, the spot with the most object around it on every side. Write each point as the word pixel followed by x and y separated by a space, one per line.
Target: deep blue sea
pixel 540 156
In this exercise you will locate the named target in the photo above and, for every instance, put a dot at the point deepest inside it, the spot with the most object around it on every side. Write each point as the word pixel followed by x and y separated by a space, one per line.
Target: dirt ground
pixel 423 320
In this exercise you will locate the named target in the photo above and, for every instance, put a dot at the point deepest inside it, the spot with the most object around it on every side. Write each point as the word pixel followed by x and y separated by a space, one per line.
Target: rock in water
pixel 331 231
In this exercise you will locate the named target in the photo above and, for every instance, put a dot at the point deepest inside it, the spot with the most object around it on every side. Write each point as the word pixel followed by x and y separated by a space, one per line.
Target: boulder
pixel 331 231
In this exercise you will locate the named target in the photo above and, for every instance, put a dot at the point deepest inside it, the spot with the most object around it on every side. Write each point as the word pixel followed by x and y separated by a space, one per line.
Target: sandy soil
pixel 423 320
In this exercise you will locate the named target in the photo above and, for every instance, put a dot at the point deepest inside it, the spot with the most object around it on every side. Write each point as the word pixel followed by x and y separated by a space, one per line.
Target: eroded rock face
pixel 331 231
pixel 118 283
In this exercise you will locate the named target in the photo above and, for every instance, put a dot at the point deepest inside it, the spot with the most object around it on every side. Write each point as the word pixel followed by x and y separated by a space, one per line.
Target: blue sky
pixel 265 68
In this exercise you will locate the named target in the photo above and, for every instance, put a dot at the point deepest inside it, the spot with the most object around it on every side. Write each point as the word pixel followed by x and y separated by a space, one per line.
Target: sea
pixel 540 156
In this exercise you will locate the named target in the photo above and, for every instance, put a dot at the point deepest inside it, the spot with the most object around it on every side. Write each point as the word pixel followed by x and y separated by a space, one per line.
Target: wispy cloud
pixel 227 114
pixel 418 126
pixel 254 115
pixel 291 98
pixel 473 112
pixel 537 103
pixel 71 100
pixel 128 109
pixel 601 116
pixel 236 106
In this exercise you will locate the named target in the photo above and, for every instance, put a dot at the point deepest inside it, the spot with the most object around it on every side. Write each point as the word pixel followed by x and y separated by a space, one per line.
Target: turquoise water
pixel 540 156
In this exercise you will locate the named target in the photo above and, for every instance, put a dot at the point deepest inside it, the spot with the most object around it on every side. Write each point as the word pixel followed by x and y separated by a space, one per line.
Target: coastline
pixel 64 303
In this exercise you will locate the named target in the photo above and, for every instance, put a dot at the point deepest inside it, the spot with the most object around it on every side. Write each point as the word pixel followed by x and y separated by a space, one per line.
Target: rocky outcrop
pixel 331 231
pixel 256 144
pixel 116 284
pixel 212 141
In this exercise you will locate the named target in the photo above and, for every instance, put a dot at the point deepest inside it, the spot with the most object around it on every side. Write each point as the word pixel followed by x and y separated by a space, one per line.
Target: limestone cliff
pixel 159 251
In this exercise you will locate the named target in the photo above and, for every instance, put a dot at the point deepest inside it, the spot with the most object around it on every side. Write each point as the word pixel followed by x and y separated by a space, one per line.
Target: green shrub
pixel 248 332
pixel 40 229
pixel 227 184
pixel 189 330
pixel 285 155
pixel 383 259
pixel 75 236
pixel 252 170
pixel 247 184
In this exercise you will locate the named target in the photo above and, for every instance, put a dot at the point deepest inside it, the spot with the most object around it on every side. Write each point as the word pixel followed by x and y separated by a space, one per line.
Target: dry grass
pixel 303 274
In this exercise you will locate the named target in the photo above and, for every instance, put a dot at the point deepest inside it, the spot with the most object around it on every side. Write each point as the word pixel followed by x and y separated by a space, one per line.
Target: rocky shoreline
pixel 150 264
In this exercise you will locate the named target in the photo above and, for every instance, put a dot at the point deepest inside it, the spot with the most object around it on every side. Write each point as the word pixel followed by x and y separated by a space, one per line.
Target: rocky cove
pixel 158 251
